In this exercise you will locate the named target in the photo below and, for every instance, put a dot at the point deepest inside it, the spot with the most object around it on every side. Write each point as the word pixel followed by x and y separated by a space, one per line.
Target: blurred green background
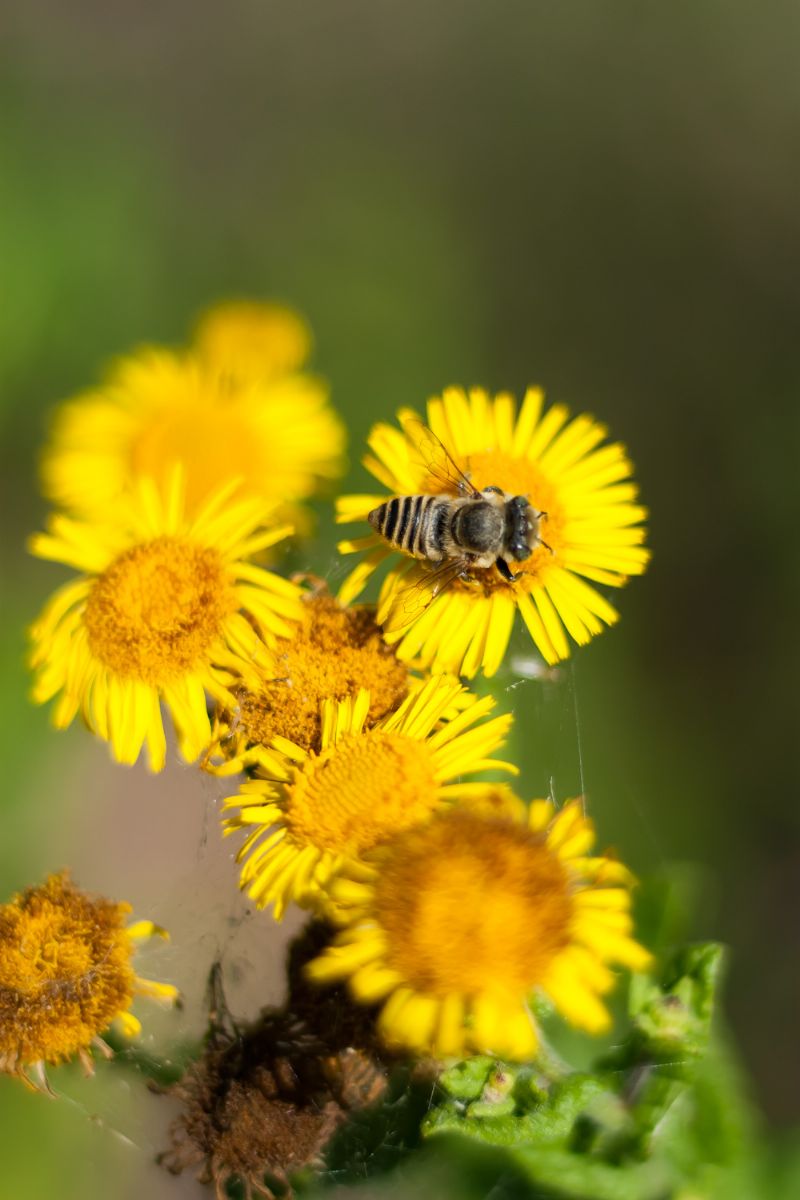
pixel 603 198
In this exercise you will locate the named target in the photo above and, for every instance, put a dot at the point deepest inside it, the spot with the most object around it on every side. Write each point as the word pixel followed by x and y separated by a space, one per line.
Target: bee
pixel 457 531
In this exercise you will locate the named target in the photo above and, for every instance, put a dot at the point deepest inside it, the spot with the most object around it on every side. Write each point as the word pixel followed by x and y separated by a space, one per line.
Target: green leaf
pixel 666 1116
pixel 578 1177
pixel 465 1080
pixel 673 1017
pixel 524 1115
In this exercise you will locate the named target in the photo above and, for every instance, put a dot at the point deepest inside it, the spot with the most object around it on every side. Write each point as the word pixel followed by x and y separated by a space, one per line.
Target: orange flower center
pixel 467 901
pixel 157 610
pixel 335 652
pixel 65 972
pixel 365 789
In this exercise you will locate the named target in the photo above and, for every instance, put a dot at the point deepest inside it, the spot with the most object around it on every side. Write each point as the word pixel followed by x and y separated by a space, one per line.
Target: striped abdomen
pixel 414 524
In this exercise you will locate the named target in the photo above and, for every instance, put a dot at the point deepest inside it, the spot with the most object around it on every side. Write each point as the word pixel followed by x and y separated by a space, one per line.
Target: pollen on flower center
pixel 470 906
pixel 156 610
pixel 50 957
pixel 65 971
pixel 334 653
pixel 366 788
pixel 519 477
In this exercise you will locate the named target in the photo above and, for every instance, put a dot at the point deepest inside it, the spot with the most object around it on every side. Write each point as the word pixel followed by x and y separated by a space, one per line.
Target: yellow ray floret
pixel 590 529
pixel 252 339
pixel 319 810
pixel 455 928
pixel 278 437
pixel 167 609
pixel 334 653
pixel 66 976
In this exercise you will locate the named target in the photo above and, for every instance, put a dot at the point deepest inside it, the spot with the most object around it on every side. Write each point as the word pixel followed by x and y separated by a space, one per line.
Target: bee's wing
pixel 436 459
pixel 413 598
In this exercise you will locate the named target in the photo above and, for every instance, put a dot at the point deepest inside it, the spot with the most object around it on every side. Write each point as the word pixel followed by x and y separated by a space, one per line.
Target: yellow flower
pixel 335 652
pixel 278 438
pixel 249 339
pixel 165 610
pixel 319 810
pixel 66 975
pixel 590 529
pixel 455 927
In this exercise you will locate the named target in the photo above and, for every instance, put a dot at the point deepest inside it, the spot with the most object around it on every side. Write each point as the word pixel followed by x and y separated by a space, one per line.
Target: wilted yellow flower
pixel 251 339
pixel 333 654
pixel 590 529
pixel 456 927
pixel 165 610
pixel 278 439
pixel 319 810
pixel 66 976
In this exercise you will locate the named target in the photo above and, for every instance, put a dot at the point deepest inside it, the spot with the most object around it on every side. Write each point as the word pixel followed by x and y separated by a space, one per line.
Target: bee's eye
pixel 498 491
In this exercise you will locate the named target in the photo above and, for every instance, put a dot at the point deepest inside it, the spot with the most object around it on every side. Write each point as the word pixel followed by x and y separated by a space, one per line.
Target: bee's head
pixel 523 528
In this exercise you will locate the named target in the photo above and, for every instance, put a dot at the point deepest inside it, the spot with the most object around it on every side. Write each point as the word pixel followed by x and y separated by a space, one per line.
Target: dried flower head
pixel 166 608
pixel 590 529
pixel 66 975
pixel 266 1099
pixel 454 927
pixel 317 810
pixel 335 652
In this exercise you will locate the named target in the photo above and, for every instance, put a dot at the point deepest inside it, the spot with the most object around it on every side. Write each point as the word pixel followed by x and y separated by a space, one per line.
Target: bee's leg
pixel 542 542
pixel 507 573
pixel 469 579
pixel 465 574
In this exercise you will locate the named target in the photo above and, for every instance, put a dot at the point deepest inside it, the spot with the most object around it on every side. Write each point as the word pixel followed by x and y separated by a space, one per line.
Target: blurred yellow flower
pixel 334 653
pixel 252 339
pixel 66 976
pixel 279 439
pixel 456 926
pixel 590 529
pixel 167 609
pixel 316 811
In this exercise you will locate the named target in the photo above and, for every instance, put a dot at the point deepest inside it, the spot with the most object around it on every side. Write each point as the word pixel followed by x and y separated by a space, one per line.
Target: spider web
pixel 161 850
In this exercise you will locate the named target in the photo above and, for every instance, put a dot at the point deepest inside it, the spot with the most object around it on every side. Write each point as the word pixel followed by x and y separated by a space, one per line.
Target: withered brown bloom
pixel 265 1099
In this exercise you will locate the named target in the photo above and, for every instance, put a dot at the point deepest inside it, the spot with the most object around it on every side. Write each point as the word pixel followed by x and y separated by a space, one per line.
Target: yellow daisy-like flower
pixel 320 810
pixel 250 339
pixel 590 529
pixel 66 976
pixel 166 609
pixel 457 926
pixel 278 438
pixel 333 654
